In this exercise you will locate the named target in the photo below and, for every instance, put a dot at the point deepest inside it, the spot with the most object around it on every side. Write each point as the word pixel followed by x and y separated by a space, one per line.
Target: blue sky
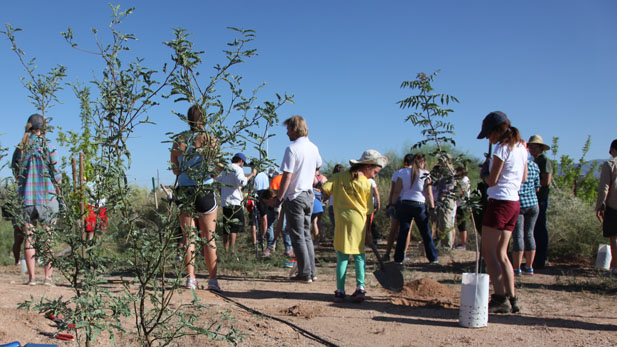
pixel 550 65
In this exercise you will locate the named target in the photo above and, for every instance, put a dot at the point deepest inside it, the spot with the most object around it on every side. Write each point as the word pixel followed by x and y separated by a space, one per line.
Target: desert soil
pixel 563 305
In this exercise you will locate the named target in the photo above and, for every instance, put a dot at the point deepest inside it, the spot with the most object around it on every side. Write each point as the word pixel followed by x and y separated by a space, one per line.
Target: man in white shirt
pixel 300 161
pixel 231 199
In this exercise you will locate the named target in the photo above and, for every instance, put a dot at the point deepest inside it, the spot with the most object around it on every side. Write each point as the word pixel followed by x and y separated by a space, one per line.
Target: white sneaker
pixel 191 283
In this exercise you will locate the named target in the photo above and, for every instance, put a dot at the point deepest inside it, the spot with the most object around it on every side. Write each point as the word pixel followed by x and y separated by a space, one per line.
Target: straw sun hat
pixel 371 156
pixel 537 140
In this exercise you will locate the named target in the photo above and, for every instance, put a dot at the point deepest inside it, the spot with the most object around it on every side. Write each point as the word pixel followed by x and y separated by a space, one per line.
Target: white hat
pixel 371 156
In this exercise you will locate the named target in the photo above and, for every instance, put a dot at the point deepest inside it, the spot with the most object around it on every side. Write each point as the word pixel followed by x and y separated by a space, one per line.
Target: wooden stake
pixel 83 203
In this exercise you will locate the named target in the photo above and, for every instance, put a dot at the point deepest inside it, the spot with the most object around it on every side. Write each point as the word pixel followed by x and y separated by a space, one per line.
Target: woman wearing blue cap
pixel 507 169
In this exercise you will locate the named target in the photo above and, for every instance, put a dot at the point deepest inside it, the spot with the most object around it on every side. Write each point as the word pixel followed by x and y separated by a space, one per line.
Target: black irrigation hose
pixel 295 327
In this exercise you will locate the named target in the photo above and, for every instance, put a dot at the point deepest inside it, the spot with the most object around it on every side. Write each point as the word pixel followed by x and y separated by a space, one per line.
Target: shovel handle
pixel 374 248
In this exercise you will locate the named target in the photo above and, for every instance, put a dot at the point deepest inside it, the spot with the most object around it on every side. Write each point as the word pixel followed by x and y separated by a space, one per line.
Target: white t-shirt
pixel 301 159
pixel 465 185
pixel 511 176
pixel 396 174
pixel 413 192
pixel 232 196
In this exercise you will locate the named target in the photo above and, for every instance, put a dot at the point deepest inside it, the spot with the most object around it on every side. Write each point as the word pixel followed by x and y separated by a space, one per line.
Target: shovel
pixel 388 275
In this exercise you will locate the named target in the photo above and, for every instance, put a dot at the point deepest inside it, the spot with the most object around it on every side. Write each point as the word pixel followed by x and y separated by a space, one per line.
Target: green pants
pixel 341 269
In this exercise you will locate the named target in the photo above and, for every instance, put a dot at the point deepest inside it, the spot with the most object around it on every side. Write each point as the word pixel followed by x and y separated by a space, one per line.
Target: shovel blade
pixel 390 277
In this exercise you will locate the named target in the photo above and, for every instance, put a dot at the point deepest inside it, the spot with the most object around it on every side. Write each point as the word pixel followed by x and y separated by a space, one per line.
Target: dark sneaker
pixel 339 296
pixel 528 271
pixel 514 304
pixel 517 272
pixel 302 279
pixel 359 295
pixel 499 304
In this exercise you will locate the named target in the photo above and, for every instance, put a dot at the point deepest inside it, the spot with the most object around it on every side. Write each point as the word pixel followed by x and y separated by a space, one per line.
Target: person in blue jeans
pixel 413 193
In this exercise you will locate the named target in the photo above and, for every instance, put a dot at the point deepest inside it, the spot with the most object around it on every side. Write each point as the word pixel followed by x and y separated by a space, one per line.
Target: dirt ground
pixel 561 306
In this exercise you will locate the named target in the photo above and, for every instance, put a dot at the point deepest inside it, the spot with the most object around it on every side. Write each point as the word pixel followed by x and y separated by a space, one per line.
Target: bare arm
pixel 263 225
pixel 395 192
pixel 176 150
pixel 377 198
pixel 428 194
pixel 496 168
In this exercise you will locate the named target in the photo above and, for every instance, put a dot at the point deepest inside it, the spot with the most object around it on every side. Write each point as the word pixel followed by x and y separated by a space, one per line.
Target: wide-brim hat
pixel 537 140
pixel 371 156
pixel 489 123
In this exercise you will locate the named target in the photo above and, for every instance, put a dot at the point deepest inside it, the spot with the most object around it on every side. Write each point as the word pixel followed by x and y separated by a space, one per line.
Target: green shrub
pixel 572 226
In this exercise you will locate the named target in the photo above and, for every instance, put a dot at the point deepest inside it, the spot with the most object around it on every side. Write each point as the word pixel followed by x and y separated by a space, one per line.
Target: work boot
pixel 499 304
pixel 514 304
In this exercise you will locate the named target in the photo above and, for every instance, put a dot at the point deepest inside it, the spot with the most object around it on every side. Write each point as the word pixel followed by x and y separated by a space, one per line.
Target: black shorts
pixel 233 219
pixel 189 198
pixel 461 219
pixel 609 227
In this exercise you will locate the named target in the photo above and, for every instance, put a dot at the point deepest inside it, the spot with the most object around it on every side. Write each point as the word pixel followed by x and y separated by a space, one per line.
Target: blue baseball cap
pixel 489 123
pixel 241 156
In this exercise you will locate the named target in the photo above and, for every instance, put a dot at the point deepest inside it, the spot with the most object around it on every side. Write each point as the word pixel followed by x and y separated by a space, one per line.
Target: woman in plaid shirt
pixel 522 236
pixel 34 163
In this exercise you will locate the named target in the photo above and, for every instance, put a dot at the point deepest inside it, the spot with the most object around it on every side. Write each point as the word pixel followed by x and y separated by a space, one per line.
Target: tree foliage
pixel 142 247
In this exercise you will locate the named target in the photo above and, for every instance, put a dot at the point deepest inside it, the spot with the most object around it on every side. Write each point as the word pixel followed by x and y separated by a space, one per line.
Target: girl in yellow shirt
pixel 353 204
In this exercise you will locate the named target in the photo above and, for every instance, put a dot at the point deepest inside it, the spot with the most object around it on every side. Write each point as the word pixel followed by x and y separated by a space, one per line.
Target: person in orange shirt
pixel 275 184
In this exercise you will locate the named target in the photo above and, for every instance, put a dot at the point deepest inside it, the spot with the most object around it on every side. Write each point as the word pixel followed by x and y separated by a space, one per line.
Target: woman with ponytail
pixel 33 164
pixel 507 171
pixel 412 194
pixel 191 153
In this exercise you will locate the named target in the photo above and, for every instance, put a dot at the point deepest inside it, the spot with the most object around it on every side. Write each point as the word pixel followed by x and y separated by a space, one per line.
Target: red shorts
pixel 501 214
pixel 91 219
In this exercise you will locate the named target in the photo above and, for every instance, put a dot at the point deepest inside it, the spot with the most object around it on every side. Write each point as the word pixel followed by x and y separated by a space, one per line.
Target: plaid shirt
pixel 35 184
pixel 527 192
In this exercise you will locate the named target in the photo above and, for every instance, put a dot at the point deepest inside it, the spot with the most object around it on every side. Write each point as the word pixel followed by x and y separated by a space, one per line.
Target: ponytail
pixel 510 135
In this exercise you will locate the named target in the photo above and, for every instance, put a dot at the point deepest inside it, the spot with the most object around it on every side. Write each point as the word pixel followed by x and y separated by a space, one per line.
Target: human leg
pixel 461 221
pixel 404 216
pixel 518 244
pixel 18 240
pixel 360 264
pixel 445 224
pixel 490 245
pixel 29 251
pixel 207 226
pixel 541 236
pixel 298 216
pixel 394 226
pixel 504 262
pixel 188 230
pixel 341 270
pixel 531 216
pixel 421 217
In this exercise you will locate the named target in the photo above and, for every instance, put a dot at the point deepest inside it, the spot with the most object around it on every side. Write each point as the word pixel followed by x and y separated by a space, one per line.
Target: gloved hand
pixel 391 211
pixel 485 170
